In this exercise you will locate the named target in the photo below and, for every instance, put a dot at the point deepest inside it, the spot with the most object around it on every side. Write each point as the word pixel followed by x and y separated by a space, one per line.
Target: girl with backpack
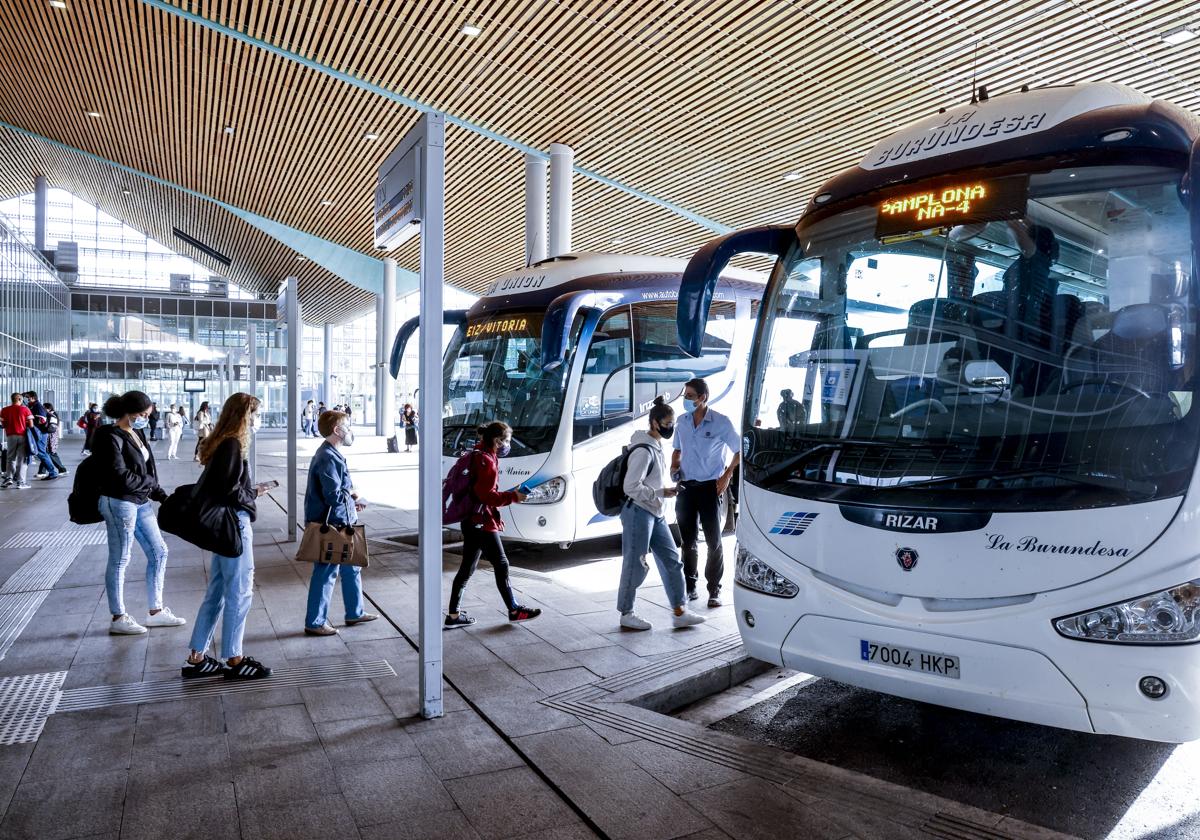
pixel 643 526
pixel 481 529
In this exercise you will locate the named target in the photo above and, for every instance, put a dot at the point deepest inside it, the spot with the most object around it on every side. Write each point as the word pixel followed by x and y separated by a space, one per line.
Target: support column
pixel 326 381
pixel 292 316
pixel 385 331
pixel 562 161
pixel 40 209
pixel 252 382
pixel 535 209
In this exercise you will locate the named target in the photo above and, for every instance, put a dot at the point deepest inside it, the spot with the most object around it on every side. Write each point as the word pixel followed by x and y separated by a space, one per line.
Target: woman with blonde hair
pixel 226 481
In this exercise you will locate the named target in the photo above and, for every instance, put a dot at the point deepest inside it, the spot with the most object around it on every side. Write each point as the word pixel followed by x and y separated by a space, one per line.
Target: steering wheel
pixel 937 405
pixel 1124 386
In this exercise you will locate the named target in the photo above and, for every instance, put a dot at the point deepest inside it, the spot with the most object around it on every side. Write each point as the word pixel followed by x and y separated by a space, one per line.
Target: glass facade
pixel 160 343
pixel 34 321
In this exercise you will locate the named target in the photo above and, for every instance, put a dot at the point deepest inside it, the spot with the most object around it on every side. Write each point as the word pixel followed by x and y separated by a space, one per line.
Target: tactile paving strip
pixel 24 592
pixel 25 703
pixel 161 691
pixel 66 536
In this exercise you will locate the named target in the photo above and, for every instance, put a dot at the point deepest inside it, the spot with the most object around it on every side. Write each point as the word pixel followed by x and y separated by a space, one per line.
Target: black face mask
pixel 666 431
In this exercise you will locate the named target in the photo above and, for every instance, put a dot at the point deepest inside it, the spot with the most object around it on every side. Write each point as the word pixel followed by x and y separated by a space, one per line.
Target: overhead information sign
pixel 398 197
pixel 950 203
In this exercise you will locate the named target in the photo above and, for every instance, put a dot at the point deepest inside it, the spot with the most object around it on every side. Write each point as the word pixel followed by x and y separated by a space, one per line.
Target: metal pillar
pixel 432 175
pixel 385 330
pixel 252 382
pixel 292 310
pixel 39 213
pixel 562 159
pixel 535 209
pixel 326 381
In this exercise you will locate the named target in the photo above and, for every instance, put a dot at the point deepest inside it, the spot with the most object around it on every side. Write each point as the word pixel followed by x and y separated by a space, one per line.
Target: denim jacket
pixel 329 487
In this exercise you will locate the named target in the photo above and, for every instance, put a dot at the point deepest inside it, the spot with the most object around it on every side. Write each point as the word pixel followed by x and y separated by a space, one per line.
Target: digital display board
pixel 193 386
pixel 950 203
pixel 501 326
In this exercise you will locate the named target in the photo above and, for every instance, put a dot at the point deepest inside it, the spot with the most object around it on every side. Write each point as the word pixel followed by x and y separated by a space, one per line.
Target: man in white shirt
pixel 707 451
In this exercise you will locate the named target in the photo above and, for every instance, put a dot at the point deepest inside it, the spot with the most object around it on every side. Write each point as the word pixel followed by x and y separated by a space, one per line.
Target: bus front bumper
pixel 1038 677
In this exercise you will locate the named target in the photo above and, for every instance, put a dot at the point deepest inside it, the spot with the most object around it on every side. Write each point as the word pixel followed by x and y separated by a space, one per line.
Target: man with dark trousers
pixel 704 441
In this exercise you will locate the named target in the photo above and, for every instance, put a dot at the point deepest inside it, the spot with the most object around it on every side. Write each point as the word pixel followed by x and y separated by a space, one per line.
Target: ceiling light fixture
pixel 58 4
pixel 229 129
pixel 326 203
pixel 126 191
pixel 471 30
pixel 792 176
pixel 370 135
pixel 94 114
pixel 1178 35
pixel 301 259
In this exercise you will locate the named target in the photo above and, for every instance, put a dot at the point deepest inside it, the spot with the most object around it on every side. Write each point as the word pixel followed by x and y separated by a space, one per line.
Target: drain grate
pixel 25 703
pixel 35 539
pixel 161 691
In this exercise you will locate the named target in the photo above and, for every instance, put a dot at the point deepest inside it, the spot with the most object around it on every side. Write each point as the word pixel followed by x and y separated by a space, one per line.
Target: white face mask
pixel 256 421
pixel 347 435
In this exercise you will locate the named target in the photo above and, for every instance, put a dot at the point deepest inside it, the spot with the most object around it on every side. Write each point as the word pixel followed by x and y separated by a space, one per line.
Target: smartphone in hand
pixel 264 487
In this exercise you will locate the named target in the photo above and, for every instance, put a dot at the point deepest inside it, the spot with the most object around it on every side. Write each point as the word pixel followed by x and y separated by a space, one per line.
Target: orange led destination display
pixel 949 203
pixel 499 326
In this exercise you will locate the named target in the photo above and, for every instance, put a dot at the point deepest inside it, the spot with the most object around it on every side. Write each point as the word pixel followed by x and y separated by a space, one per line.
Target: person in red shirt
pixel 481 530
pixel 16 419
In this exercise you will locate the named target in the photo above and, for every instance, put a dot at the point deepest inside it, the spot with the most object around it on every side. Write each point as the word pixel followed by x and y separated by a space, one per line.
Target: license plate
pixel 909 659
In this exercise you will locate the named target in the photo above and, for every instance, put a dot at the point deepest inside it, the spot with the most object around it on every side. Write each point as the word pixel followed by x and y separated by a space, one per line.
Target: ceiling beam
pixel 409 102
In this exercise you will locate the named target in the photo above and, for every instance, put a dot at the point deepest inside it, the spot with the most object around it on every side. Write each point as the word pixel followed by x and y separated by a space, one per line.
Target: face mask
pixel 666 431
pixel 504 450
pixel 689 406
pixel 256 422
pixel 347 436
pixel 140 422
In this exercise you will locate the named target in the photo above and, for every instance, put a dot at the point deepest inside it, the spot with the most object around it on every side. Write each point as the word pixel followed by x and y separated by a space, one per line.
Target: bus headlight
pixel 1171 616
pixel 548 492
pixel 753 573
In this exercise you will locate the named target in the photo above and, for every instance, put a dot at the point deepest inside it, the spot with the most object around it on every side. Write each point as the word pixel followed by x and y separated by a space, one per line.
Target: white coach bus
pixel 571 353
pixel 988 501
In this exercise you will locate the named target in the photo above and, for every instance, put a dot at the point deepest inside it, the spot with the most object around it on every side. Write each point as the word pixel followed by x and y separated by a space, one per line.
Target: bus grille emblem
pixel 793 524
pixel 907 558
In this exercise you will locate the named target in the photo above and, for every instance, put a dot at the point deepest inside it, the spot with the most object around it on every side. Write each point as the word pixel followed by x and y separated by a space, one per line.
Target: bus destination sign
pixel 952 203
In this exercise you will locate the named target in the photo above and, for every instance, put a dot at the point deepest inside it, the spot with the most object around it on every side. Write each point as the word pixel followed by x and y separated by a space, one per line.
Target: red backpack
pixel 458 502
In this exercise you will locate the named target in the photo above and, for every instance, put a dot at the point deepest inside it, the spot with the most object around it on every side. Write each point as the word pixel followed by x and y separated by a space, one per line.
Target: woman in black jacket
pixel 226 482
pixel 129 481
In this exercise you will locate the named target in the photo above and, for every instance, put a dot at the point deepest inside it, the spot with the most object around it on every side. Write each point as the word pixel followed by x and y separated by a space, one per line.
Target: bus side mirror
pixel 450 318
pixel 705 267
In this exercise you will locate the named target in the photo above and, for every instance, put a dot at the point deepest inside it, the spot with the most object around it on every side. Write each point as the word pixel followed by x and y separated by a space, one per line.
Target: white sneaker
pixel 164 618
pixel 633 621
pixel 125 626
pixel 688 619
pixel 24 486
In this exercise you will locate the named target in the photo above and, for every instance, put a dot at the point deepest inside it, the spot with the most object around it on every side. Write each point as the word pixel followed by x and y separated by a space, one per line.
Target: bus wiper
pixel 786 467
pixel 1092 479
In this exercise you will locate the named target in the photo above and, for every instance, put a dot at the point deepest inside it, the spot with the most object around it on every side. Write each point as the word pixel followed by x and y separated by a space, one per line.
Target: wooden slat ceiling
pixel 706 103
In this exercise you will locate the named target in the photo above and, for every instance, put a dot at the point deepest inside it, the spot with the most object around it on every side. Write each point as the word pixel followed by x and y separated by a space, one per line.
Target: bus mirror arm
pixel 560 316
pixel 705 267
pixel 450 318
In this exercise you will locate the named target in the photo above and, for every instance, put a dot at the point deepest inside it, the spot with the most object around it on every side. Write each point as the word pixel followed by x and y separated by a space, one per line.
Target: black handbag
pixel 202 522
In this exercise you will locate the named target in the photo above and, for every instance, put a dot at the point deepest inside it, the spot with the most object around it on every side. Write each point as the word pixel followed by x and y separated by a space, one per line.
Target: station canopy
pixel 728 110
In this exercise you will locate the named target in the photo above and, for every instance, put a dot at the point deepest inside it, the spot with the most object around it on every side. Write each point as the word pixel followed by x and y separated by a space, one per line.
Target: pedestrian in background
pixel 36 434
pixel 154 418
pixel 53 431
pixel 16 419
pixel 482 529
pixel 409 416
pixel 89 422
pixel 644 526
pixel 128 485
pixel 307 419
pixel 330 498
pixel 702 445
pixel 174 423
pixel 203 424
pixel 226 481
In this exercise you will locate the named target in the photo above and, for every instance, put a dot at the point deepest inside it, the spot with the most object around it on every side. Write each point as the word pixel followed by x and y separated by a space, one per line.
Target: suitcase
pixel 393 445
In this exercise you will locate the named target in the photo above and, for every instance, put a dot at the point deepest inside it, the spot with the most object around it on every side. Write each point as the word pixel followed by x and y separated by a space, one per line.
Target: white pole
pixel 292 310
pixel 535 209
pixel 327 359
pixel 431 172
pixel 387 397
pixel 380 306
pixel 562 159
pixel 252 341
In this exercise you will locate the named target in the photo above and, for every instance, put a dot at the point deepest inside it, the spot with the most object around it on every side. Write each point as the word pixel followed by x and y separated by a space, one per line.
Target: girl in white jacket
pixel 643 528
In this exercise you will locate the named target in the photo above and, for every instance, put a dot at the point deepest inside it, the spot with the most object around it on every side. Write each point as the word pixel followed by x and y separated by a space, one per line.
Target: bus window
pixel 605 388
pixel 660 367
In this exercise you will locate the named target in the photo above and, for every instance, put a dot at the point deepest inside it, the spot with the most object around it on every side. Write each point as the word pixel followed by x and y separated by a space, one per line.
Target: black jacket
pixel 125 475
pixel 226 479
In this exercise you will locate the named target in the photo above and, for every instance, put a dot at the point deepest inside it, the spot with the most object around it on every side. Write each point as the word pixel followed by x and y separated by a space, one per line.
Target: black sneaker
pixel 714 601
pixel 463 620
pixel 247 669
pixel 693 595
pixel 522 613
pixel 208 668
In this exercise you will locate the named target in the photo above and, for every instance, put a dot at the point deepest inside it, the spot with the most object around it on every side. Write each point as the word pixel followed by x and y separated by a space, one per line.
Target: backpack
pixel 457 499
pixel 393 445
pixel 608 490
pixel 83 505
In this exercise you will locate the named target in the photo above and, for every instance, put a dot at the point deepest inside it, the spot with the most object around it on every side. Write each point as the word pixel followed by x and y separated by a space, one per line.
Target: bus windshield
pixel 493 371
pixel 1036 349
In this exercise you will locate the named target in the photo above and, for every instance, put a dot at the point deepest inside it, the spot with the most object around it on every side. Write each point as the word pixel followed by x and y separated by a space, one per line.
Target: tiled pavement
pixel 351 759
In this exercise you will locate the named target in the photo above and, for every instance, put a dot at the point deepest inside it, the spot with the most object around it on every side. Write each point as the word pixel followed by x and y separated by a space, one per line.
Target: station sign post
pixel 287 317
pixel 410 198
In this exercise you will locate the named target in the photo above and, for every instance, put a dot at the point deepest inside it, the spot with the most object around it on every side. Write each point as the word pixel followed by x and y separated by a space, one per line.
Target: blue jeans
pixel 642 532
pixel 127 522
pixel 230 591
pixel 40 452
pixel 320 591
